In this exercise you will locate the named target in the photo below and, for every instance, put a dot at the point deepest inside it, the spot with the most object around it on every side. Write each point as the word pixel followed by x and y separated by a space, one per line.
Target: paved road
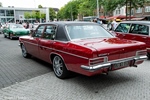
pixel 14 68
pixel 36 81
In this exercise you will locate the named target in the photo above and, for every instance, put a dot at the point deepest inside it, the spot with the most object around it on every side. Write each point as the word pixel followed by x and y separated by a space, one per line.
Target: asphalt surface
pixel 33 79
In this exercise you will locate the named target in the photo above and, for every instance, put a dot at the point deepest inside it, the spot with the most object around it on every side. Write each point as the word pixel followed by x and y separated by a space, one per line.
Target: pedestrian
pixel 114 24
pixel 27 25
pixel 99 21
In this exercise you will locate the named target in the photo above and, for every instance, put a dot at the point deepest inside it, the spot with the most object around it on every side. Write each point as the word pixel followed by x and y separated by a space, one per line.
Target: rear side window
pixel 49 32
pixel 123 27
pixel 139 29
pixel 39 31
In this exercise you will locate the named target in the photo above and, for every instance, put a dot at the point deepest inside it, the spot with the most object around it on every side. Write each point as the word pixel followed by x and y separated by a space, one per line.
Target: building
pixel 140 12
pixel 14 14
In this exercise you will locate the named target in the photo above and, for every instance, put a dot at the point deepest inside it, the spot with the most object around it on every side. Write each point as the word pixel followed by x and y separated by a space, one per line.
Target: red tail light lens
pixel 98 60
pixel 141 53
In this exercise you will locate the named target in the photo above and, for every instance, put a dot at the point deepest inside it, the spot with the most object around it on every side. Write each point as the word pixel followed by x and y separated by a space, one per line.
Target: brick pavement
pixel 14 68
pixel 126 84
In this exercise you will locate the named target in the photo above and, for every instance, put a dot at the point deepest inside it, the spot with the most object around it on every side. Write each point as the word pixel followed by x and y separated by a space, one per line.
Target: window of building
pixel 9 12
pixel 147 9
pixel 139 10
pixel 2 12
pixel 118 11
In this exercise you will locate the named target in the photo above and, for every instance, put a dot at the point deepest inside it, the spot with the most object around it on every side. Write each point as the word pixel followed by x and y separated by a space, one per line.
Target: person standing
pixel 27 25
pixel 114 24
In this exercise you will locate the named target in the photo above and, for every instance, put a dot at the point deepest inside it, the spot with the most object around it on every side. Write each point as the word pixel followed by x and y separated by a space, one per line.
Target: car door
pixel 33 43
pixel 122 30
pixel 141 33
pixel 46 42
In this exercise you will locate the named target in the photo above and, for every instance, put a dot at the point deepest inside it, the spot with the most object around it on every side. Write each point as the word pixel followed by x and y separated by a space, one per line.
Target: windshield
pixel 16 26
pixel 86 31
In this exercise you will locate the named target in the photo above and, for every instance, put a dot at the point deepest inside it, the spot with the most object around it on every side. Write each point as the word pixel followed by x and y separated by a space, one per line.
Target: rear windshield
pixel 86 31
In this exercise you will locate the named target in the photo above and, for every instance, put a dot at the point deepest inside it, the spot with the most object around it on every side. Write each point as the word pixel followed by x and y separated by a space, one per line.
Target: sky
pixel 34 3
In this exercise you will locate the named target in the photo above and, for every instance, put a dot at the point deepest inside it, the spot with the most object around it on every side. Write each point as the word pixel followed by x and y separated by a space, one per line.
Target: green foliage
pixel 40 6
pixel 27 15
pixel 1 4
pixel 89 7
pixel 70 10
pixel 52 13
pixel 34 14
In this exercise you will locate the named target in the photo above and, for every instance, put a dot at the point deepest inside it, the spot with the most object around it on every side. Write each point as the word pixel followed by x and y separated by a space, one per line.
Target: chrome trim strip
pixel 108 64
pixel 31 43
pixel 140 58
pixel 148 48
pixel 59 51
pixel 97 67
pixel 82 56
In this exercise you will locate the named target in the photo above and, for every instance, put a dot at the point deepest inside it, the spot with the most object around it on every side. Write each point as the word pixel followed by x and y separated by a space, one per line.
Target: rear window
pixel 86 31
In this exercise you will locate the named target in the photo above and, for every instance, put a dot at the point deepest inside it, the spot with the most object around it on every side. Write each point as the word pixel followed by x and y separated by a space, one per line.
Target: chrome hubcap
pixel 58 66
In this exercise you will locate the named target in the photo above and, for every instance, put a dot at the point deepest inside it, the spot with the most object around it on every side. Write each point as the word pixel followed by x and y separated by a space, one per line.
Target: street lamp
pixel 97 8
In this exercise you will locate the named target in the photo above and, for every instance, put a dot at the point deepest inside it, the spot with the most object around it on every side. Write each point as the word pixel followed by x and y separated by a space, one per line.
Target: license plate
pixel 121 64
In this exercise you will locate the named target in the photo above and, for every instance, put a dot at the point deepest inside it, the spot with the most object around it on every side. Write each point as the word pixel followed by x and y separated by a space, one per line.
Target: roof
pixel 139 22
pixel 119 17
pixel 70 22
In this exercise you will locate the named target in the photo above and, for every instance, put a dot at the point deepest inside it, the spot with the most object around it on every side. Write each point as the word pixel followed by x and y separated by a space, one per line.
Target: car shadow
pixel 43 63
pixel 97 83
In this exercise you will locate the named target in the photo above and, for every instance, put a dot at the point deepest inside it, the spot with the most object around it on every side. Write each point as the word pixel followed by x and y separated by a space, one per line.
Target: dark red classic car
pixel 135 30
pixel 81 47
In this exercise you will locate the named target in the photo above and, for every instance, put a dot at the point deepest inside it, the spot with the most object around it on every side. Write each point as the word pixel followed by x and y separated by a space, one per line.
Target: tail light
pixel 141 53
pixel 98 60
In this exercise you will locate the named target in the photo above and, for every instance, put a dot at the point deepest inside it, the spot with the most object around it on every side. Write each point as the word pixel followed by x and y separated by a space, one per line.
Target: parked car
pixel 135 30
pixel 13 30
pixel 81 47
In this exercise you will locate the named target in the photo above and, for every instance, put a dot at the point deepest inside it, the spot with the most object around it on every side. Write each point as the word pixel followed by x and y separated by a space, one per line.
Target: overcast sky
pixel 34 3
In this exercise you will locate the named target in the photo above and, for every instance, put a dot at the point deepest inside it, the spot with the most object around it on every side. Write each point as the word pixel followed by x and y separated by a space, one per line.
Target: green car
pixel 15 31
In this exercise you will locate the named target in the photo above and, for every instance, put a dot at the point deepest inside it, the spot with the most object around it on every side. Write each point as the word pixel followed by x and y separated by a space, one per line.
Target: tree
pixel 52 14
pixel 1 4
pixel 70 10
pixel 87 7
pixel 40 6
pixel 27 15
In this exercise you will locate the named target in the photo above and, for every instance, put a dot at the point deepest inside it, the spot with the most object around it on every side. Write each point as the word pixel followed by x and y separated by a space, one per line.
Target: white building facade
pixel 12 14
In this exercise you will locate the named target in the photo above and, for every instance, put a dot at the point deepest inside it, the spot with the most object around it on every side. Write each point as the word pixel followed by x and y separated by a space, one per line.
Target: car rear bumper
pixel 135 60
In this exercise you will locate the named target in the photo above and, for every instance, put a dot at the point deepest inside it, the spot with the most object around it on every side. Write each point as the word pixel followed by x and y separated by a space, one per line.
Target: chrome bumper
pixel 109 64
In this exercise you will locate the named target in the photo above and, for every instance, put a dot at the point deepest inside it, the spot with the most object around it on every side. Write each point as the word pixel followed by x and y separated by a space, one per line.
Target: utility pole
pixel 126 9
pixel 97 8
pixel 71 13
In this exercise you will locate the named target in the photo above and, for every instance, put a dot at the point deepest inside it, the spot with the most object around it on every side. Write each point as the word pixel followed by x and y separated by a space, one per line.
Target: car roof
pixel 137 22
pixel 69 22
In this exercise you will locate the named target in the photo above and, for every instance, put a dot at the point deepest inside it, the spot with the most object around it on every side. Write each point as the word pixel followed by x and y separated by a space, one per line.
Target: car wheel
pixel 59 68
pixel 24 52
pixel 10 36
pixel 5 36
